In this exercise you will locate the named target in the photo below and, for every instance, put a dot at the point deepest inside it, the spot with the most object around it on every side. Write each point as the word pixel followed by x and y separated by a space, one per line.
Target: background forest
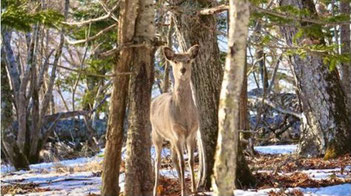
pixel 271 82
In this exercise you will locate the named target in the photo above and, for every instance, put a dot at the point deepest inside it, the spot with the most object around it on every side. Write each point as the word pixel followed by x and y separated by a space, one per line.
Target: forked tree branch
pixel 93 37
pixel 108 10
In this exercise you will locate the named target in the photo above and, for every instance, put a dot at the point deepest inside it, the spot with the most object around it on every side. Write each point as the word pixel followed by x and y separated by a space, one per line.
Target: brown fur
pixel 174 117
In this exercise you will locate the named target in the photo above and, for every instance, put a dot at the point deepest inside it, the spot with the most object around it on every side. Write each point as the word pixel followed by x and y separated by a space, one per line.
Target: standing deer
pixel 174 117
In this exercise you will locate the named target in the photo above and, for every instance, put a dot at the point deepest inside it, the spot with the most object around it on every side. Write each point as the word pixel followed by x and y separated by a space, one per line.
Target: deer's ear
pixel 168 52
pixel 193 51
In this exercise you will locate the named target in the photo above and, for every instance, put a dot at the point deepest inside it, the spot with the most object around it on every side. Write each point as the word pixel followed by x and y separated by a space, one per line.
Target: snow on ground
pixel 276 149
pixel 83 183
pixel 319 174
pixel 336 190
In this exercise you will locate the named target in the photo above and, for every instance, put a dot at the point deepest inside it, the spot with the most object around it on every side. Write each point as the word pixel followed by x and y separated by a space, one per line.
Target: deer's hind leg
pixel 157 142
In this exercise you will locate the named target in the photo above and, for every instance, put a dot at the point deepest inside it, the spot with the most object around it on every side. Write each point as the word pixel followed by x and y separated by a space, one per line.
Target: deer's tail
pixel 202 161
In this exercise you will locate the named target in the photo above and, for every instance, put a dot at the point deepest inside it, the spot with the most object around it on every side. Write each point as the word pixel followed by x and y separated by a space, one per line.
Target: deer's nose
pixel 183 70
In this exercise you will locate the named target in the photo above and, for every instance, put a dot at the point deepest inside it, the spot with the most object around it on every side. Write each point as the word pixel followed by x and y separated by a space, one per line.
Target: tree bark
pixel 346 49
pixel 114 136
pixel 139 175
pixel 165 86
pixel 8 140
pixel 244 175
pixel 206 78
pixel 325 128
pixel 25 89
pixel 228 115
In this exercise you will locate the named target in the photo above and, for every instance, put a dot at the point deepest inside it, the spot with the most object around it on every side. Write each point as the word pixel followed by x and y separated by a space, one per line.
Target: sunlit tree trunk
pixel 228 115
pixel 114 135
pixel 139 173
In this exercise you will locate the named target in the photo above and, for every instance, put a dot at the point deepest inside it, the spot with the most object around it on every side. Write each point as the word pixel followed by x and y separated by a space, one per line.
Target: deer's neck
pixel 182 94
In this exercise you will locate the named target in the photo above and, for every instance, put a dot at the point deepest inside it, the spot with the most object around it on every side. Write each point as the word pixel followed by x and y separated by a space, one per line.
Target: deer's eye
pixel 176 62
pixel 188 61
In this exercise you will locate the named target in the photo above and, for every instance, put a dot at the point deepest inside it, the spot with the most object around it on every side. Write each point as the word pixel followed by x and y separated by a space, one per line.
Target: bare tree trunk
pixel 8 140
pixel 244 175
pixel 346 49
pixel 37 116
pixel 27 143
pixel 33 155
pixel 325 128
pixel 166 82
pixel 228 130
pixel 139 180
pixel 22 101
pixel 206 78
pixel 114 136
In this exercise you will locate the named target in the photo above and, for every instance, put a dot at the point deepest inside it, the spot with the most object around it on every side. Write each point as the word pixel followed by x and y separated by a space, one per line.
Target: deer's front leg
pixel 157 142
pixel 179 150
pixel 190 148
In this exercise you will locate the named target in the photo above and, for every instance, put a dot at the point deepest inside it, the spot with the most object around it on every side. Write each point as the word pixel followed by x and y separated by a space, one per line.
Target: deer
pixel 174 117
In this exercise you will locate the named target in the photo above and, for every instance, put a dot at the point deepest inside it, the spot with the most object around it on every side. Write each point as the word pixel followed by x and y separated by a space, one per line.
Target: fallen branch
pixel 61 115
pixel 280 109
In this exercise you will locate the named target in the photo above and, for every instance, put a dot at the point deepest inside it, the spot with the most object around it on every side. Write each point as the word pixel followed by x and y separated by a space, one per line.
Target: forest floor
pixel 278 170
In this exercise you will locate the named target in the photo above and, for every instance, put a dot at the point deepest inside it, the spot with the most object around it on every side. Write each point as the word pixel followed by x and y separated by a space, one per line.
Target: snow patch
pixel 276 149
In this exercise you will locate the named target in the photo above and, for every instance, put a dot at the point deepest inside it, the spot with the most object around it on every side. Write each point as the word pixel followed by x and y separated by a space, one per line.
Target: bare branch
pixel 44 69
pixel 108 10
pixel 82 71
pixel 62 98
pixel 93 37
pixel 100 103
pixel 115 50
pixel 12 64
pixel 274 73
pixel 295 18
pixel 48 94
pixel 214 10
pixel 85 22
pixel 222 8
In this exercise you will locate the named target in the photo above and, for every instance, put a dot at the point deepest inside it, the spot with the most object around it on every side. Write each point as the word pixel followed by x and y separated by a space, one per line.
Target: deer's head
pixel 181 63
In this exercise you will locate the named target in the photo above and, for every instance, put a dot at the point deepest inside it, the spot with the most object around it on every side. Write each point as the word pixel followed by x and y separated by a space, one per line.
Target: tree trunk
pixel 33 155
pixel 206 78
pixel 325 128
pixel 346 49
pixel 244 175
pixel 165 86
pixel 139 180
pixel 228 115
pixel 114 136
pixel 8 140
